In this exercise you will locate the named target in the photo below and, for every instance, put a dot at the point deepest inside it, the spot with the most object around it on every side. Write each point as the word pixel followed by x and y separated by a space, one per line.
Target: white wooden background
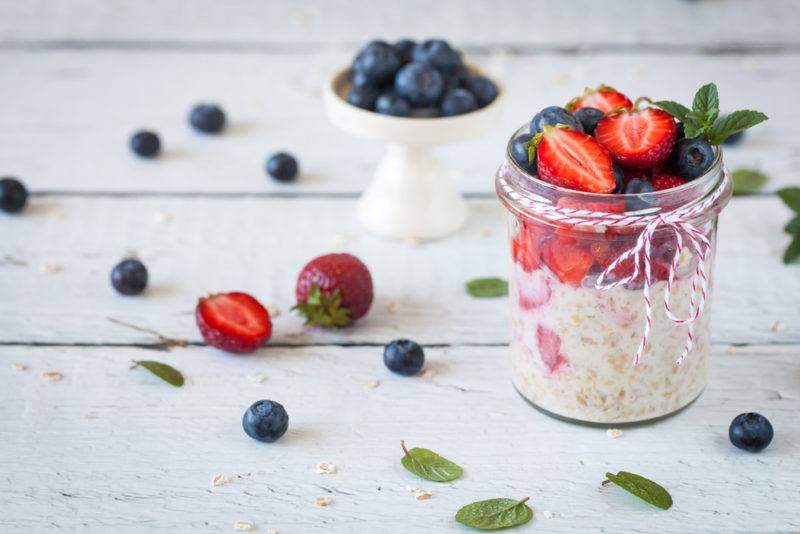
pixel 111 450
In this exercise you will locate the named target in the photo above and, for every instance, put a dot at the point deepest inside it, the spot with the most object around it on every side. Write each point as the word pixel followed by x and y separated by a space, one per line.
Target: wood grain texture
pixel 259 245
pixel 107 448
pixel 626 23
pixel 73 113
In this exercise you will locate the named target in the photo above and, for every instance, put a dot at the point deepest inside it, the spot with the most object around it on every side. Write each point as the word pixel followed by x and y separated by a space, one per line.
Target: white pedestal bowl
pixel 410 196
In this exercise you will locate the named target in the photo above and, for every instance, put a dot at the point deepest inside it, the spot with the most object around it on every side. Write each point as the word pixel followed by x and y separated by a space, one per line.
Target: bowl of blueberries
pixel 412 96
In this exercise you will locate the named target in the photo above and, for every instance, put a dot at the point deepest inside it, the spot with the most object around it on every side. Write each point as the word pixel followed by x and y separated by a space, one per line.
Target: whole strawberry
pixel 604 98
pixel 333 290
pixel 233 322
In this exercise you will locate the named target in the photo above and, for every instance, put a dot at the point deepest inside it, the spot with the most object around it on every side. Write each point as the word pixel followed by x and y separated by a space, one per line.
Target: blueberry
pixel 362 97
pixel 551 116
pixel 129 277
pixel 437 53
pixel 420 84
pixel 691 158
pixel 483 88
pixel 751 432
pixel 391 104
pixel 360 79
pixel 378 61
pixel 13 195
pixel 637 186
pixel 404 49
pixel 458 102
pixel 589 117
pixel 207 118
pixel 619 178
pixel 265 421
pixel 425 113
pixel 519 151
pixel 145 144
pixel 282 166
pixel 404 357
pixel 680 131
pixel 457 78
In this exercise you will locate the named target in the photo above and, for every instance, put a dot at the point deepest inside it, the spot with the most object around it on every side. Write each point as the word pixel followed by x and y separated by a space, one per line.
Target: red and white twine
pixel 676 220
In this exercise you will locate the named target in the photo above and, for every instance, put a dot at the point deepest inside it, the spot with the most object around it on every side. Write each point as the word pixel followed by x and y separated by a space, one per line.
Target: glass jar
pixel 579 311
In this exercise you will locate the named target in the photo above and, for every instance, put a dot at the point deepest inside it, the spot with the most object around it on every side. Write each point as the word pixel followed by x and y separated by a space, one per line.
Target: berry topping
pixel 145 144
pixel 519 151
pixel 265 420
pixel 13 195
pixel 569 262
pixel 637 186
pixel 572 159
pixel 525 247
pixel 282 166
pixel 233 322
pixel 458 102
pixel 129 277
pixel 666 181
pixel 603 98
pixel 333 290
pixel 751 432
pixel 640 139
pixel 404 357
pixel 549 345
pixel 483 88
pixel 378 62
pixel 420 84
pixel 207 118
pixel 589 117
pixel 619 178
pixel 391 104
pixel 438 54
pixel 553 116
pixel 404 48
pixel 691 158
pixel 362 96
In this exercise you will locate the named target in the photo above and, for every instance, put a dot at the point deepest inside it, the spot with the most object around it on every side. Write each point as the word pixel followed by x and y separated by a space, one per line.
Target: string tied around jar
pixel 678 221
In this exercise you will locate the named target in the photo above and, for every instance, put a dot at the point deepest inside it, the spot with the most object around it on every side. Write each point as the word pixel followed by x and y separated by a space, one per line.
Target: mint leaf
pixel 483 288
pixel 791 197
pixel 706 101
pixel 793 226
pixel 428 465
pixel 792 252
pixel 495 514
pixel 645 489
pixel 163 371
pixel 735 122
pixel 692 129
pixel 679 111
pixel 747 181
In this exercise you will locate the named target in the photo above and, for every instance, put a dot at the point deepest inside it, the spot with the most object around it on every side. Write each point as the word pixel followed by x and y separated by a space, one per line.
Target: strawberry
pixel 640 139
pixel 602 253
pixel 603 98
pixel 569 262
pixel 666 181
pixel 572 159
pixel 549 345
pixel 333 290
pixel 525 248
pixel 234 322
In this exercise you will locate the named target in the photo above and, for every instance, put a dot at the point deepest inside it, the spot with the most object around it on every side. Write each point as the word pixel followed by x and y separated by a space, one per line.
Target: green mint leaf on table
pixel 495 514
pixel 735 122
pixel 163 371
pixel 679 111
pixel 747 181
pixel 792 253
pixel 791 197
pixel 323 310
pixel 645 489
pixel 793 226
pixel 483 288
pixel 429 465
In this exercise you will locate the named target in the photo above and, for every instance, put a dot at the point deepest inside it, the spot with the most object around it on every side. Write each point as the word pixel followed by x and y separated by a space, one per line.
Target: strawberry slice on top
pixel 234 322
pixel 604 98
pixel 572 159
pixel 639 139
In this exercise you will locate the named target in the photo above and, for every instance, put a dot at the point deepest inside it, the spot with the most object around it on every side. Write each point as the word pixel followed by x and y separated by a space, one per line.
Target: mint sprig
pixel 165 372
pixel 703 119
pixel 323 310
pixel 791 197
pixel 644 488
pixel 495 514
pixel 428 465
pixel 483 288
pixel 747 181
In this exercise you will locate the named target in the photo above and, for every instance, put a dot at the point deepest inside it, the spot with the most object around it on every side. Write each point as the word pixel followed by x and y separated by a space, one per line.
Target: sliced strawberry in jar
pixel 572 159
pixel 525 247
pixel 662 182
pixel 549 345
pixel 638 140
pixel 603 98
pixel 569 262
pixel 234 322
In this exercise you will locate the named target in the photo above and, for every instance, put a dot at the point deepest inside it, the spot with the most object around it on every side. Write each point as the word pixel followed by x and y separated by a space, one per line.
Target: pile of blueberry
pixel 409 79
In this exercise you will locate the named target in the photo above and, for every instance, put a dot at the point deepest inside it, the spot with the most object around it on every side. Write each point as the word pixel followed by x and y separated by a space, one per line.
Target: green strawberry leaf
pixel 163 371
pixel 679 111
pixel 733 123
pixel 483 288
pixel 747 181
pixel 791 197
pixel 793 226
pixel 792 253
pixel 428 465
pixel 645 489
pixel 495 514
pixel 533 146
pixel 323 310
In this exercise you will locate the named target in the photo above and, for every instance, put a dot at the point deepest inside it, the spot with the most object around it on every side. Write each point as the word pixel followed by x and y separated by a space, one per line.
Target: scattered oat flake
pixel 427 374
pixel 391 307
pixel 19 366
pixel 548 514
pixel 244 525
pixel 50 268
pixel 52 376
pixel 778 326
pixel 219 480
pixel 614 433
pixel 324 468
pixel 412 489
pixel 258 378
pixel 340 240
pixel 486 232
pixel 323 501
pixel 55 213
pixel 162 217
pixel 422 495
pixel 730 350
pixel 273 311
pixel 372 384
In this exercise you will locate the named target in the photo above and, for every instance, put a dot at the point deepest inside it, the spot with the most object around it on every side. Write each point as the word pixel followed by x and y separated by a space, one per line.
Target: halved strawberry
pixel 525 247
pixel 569 262
pixel 604 98
pixel 575 160
pixel 234 322
pixel 666 181
pixel 639 139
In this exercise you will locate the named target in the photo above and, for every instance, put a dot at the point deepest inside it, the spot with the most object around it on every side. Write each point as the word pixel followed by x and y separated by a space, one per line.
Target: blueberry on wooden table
pixel 129 277
pixel 13 195
pixel 265 420
pixel 207 118
pixel 458 102
pixel 282 166
pixel 404 357
pixel 145 144
pixel 750 432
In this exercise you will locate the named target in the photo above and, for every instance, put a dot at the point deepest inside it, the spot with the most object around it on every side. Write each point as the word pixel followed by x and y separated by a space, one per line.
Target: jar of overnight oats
pixel 577 334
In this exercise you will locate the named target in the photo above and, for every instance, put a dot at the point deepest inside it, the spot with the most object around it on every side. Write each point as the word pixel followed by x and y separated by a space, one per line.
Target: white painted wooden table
pixel 111 450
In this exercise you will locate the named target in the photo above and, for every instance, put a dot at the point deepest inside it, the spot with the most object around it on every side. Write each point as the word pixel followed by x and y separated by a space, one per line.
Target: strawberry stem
pixel 640 100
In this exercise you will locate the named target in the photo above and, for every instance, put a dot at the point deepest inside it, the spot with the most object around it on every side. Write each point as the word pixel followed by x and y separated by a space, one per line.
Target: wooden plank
pixel 627 23
pixel 107 448
pixel 260 244
pixel 73 112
